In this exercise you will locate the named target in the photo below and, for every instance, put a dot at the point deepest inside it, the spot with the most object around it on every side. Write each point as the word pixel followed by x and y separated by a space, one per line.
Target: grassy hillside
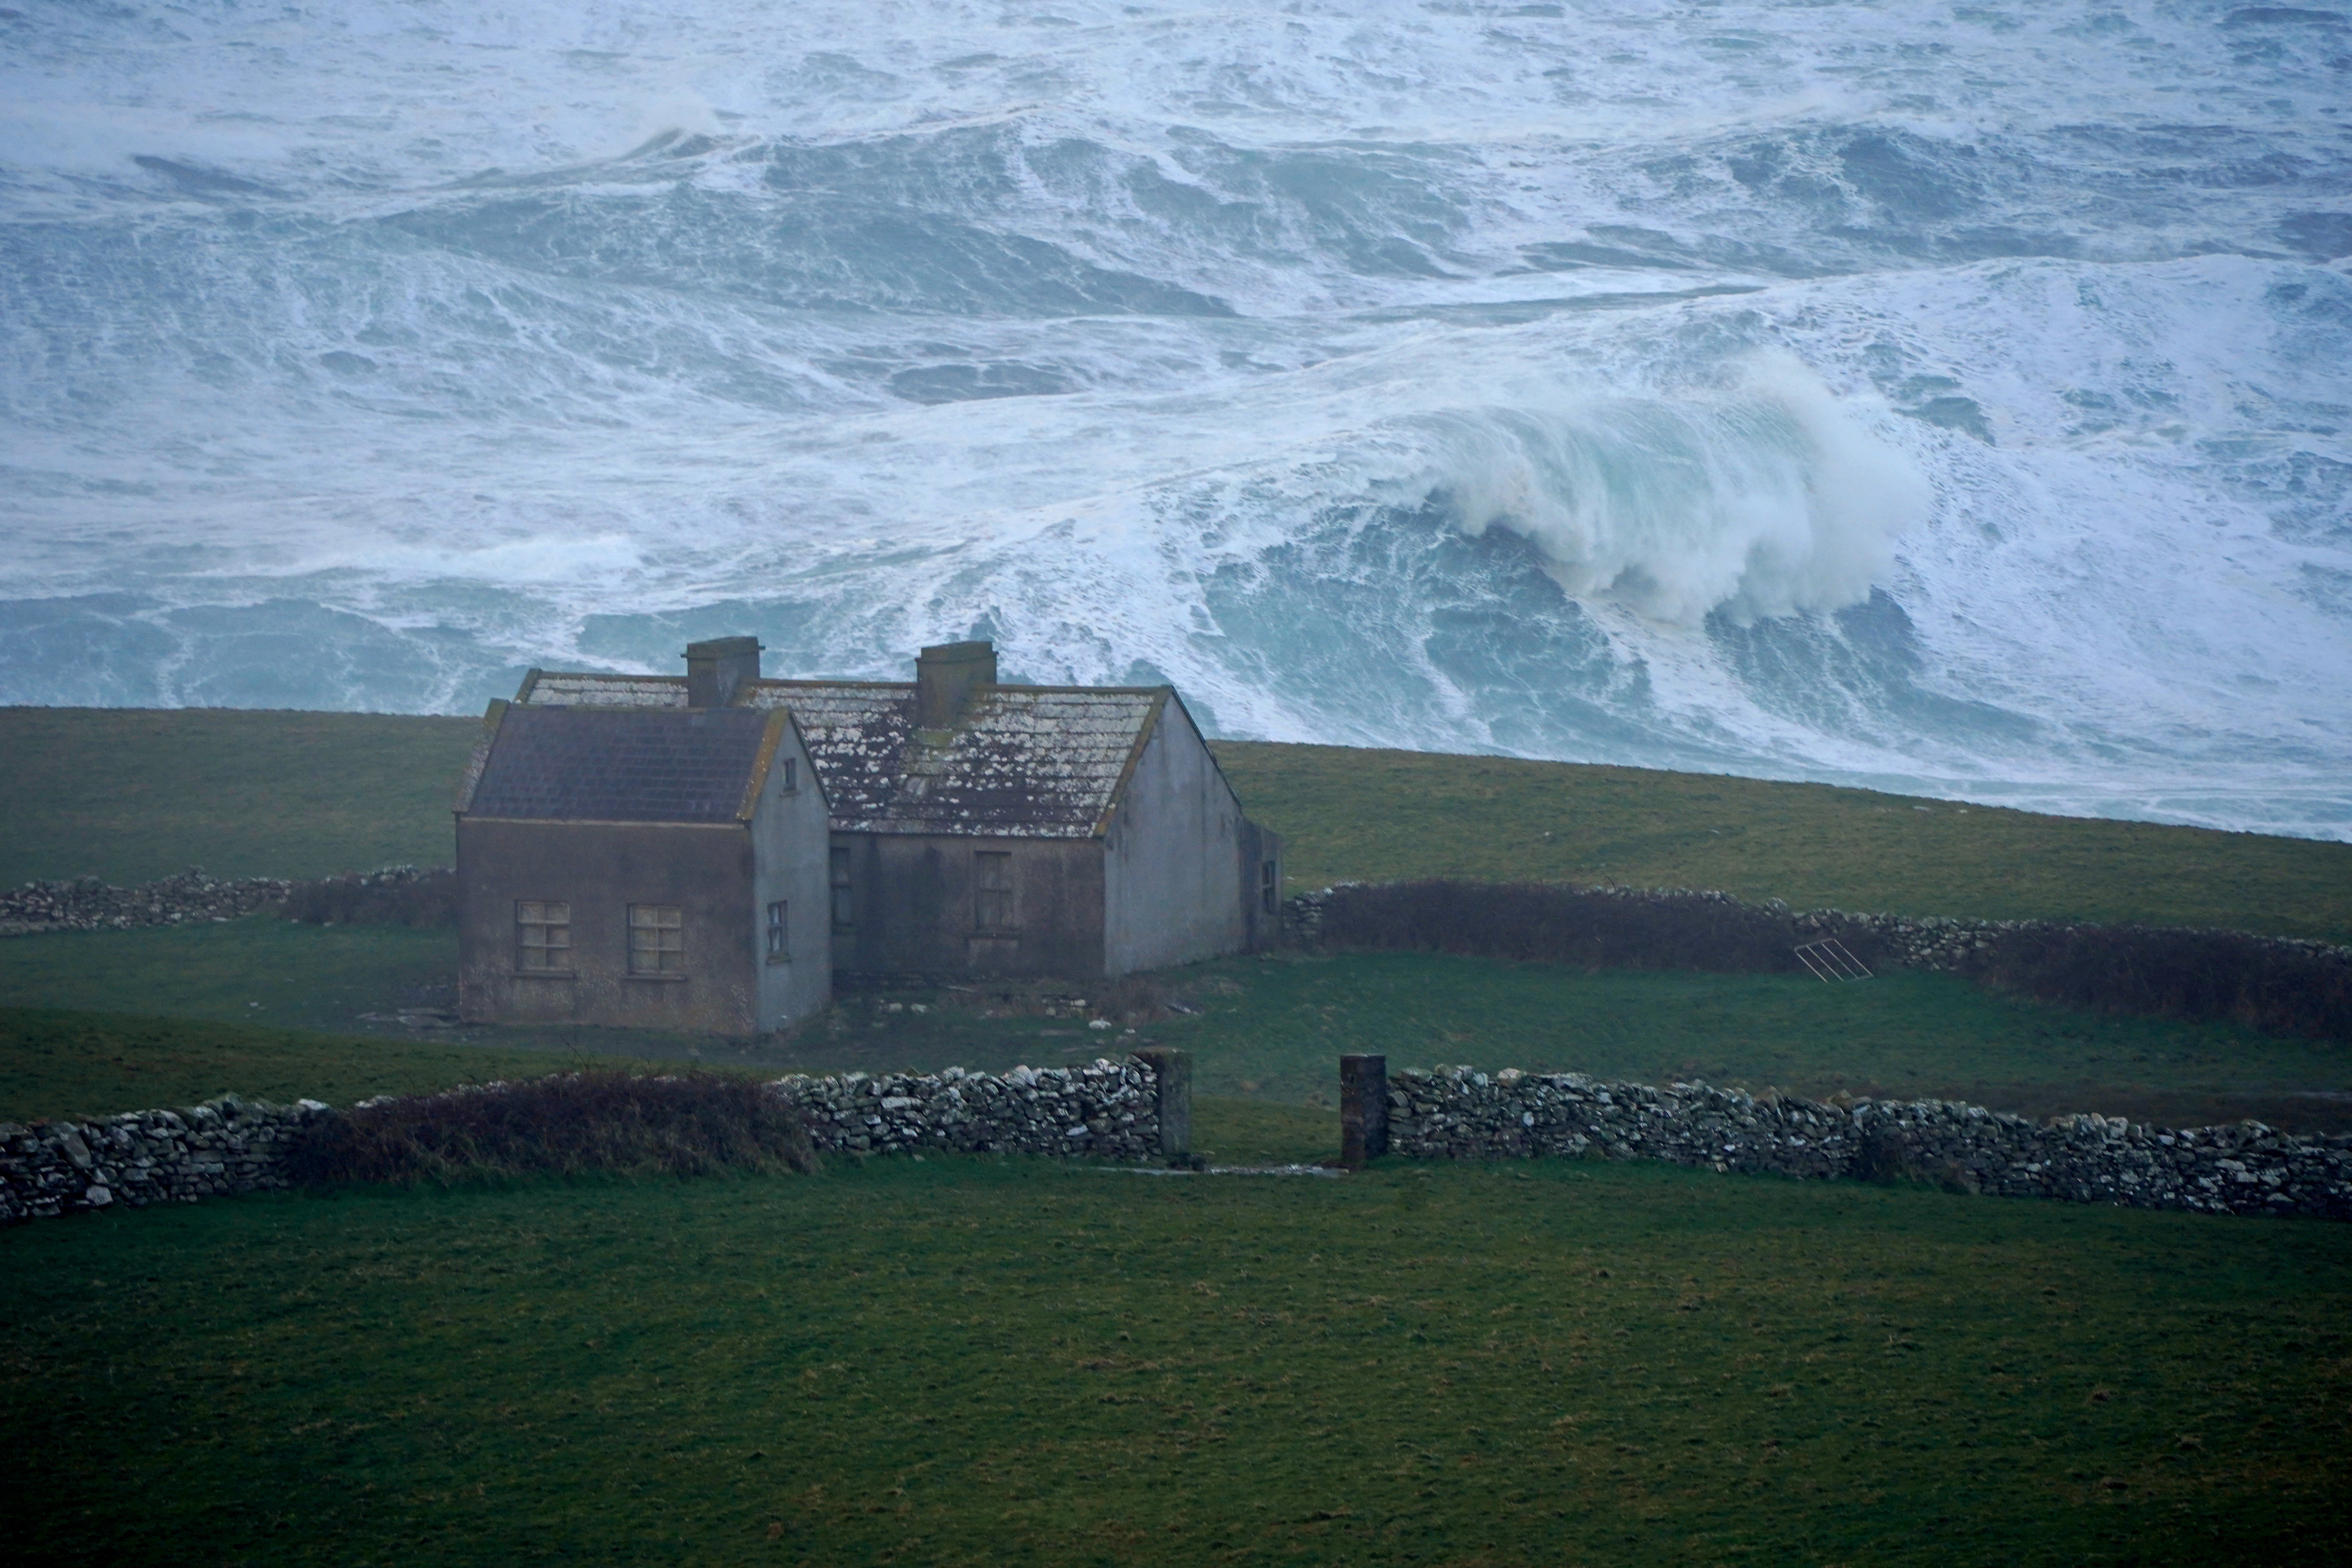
pixel 129 796
pixel 971 1360
pixel 1383 815
pixel 132 795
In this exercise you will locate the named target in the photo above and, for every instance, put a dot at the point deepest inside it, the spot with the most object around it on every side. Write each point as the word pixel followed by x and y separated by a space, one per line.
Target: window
pixel 791 773
pixel 843 912
pixel 656 939
pixel 778 945
pixel 544 937
pixel 991 891
pixel 1269 887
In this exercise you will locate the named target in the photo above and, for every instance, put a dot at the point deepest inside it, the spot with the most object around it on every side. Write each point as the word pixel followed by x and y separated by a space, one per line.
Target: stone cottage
pixel 650 867
pixel 982 828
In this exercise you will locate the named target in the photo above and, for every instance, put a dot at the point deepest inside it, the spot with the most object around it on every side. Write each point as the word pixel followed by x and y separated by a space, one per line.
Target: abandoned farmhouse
pixel 705 852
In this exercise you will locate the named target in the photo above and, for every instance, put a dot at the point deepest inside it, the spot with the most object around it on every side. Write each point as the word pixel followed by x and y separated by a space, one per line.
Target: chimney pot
pixel 717 670
pixel 945 675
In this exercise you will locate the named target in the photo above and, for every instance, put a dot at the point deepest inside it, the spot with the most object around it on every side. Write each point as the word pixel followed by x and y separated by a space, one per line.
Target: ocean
pixel 1954 398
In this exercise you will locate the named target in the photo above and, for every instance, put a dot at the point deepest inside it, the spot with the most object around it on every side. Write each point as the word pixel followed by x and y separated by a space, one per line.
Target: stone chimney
pixel 944 679
pixel 717 670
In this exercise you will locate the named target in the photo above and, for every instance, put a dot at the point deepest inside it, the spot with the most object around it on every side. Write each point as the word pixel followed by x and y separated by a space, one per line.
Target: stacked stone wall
pixel 2246 1168
pixel 90 904
pixel 1108 1111
pixel 224 1146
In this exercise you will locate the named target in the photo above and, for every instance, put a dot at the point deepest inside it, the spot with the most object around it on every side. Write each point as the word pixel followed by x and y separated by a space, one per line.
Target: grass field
pixel 55 1064
pixel 983 1361
pixel 978 1362
pixel 1385 815
pixel 129 796
pixel 1269 1029
pixel 132 795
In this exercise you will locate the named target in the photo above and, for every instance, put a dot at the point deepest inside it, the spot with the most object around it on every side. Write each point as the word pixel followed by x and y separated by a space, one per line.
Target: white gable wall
pixel 1171 861
pixel 790 835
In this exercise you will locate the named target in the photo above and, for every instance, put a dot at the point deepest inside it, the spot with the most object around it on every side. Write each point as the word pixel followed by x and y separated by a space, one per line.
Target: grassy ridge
pixel 968 1361
pixel 129 796
pixel 1375 815
pixel 132 795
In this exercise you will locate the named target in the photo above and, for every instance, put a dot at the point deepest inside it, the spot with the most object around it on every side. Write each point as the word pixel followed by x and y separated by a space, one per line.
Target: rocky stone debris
pixel 1107 1110
pixel 89 904
pixel 141 1157
pixel 1454 1112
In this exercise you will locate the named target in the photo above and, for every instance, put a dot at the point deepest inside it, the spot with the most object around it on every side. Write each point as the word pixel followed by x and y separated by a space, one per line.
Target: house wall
pixel 1172 858
pixel 913 907
pixel 789 832
pixel 600 869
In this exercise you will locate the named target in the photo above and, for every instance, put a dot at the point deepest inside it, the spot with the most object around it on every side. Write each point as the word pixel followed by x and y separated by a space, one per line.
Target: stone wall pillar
pixel 1363 1108
pixel 1172 1071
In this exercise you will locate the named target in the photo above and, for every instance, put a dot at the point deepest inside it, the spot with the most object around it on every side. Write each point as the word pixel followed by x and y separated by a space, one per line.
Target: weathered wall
pixel 790 833
pixel 600 870
pixel 1108 1111
pixel 2248 1168
pixel 91 905
pixel 1139 1108
pixel 914 912
pixel 226 1145
pixel 1173 859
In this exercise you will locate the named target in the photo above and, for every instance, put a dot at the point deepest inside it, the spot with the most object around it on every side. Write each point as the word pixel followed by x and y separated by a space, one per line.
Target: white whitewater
pixel 1945 398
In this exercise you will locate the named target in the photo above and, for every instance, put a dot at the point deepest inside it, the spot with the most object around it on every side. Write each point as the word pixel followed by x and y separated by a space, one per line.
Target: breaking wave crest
pixel 1587 382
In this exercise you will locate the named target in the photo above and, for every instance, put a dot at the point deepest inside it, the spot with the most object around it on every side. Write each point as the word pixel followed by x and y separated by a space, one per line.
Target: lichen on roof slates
pixel 1031 762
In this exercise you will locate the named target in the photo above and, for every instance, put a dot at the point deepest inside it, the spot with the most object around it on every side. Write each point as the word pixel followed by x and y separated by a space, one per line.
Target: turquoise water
pixel 1944 396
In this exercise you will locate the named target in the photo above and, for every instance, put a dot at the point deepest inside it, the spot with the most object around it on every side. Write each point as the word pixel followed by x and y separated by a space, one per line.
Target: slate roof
pixel 584 765
pixel 1035 762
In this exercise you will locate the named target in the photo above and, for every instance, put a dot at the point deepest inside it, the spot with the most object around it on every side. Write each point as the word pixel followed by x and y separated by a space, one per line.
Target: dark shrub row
pixel 568 1124
pixel 1597 928
pixel 2279 987
pixel 399 895
pixel 2271 983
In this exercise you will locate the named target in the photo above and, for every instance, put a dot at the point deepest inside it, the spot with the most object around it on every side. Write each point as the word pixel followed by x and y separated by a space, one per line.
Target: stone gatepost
pixel 1363 1108
pixel 1172 1069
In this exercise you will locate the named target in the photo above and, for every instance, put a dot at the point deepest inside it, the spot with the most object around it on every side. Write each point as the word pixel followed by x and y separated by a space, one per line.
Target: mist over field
pixel 1945 398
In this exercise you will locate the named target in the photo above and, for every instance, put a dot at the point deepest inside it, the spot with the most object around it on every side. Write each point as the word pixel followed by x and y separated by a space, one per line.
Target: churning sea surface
pixel 1949 397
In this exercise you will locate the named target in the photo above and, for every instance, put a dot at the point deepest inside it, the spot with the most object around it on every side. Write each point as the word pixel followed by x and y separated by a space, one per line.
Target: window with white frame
pixel 542 938
pixel 656 939
pixel 779 943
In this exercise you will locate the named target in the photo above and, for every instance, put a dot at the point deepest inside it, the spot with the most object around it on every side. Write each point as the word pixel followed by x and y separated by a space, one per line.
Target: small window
pixel 544 937
pixel 791 773
pixel 1269 887
pixel 656 939
pixel 779 946
pixel 991 891
pixel 844 912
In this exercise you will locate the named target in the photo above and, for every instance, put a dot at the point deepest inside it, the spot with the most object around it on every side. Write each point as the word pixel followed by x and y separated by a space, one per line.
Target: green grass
pixel 258 970
pixel 1376 815
pixel 977 1362
pixel 56 1064
pixel 132 794
pixel 129 796
pixel 1269 1029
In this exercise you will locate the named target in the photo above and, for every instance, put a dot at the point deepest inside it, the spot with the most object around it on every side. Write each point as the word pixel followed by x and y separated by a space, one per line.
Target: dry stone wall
pixel 90 904
pixel 1453 1112
pixel 224 1146
pixel 1109 1110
